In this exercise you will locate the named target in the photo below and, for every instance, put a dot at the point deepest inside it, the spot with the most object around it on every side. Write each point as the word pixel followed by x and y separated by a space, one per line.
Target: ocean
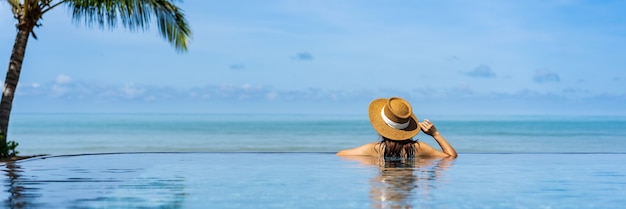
pixel 79 133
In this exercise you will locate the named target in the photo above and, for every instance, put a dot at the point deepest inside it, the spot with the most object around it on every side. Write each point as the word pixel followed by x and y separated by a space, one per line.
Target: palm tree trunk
pixel 13 76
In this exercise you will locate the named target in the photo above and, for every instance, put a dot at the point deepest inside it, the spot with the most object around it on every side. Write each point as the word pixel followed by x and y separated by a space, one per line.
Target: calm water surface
pixel 315 180
pixel 287 161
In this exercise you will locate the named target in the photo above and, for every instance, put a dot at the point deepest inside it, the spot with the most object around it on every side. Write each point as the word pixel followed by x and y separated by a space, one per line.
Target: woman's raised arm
pixel 431 130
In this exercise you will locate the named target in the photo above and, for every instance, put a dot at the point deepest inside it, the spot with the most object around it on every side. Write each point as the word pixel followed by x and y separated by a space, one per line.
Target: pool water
pixel 314 180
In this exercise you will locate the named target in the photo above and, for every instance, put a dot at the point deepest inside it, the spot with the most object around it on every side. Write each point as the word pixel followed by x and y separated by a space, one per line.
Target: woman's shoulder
pixel 369 149
pixel 422 146
pixel 424 150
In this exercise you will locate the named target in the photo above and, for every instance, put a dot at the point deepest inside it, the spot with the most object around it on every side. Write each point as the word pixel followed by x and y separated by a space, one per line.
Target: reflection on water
pixel 69 186
pixel 18 192
pixel 403 183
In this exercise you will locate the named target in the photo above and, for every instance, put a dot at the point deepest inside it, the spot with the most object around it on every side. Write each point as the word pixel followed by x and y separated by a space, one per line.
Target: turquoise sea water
pixel 102 133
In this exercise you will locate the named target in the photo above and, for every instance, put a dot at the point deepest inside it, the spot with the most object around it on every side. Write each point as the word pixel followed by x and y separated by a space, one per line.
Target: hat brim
pixel 387 131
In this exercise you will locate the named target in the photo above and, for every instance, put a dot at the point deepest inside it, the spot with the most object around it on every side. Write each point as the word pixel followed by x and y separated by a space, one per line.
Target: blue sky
pixel 564 57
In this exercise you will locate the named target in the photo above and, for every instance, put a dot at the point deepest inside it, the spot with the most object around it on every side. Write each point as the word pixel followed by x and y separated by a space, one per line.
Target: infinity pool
pixel 314 180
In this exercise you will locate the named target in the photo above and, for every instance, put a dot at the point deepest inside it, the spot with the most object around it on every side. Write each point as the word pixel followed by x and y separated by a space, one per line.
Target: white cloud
pixel 271 96
pixel 63 79
pixel 457 99
pixel 132 91
pixel 58 90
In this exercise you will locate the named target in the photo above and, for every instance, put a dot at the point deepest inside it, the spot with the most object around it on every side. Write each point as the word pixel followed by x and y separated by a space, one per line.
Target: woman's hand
pixel 428 127
pixel 446 148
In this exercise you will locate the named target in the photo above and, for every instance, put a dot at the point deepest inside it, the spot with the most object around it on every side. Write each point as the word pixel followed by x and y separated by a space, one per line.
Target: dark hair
pixel 397 148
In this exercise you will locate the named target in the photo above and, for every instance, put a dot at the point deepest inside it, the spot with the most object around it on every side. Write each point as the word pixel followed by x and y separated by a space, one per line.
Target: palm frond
pixel 135 15
pixel 14 3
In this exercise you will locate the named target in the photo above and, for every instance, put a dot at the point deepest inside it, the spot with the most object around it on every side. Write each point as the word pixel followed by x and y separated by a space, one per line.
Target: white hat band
pixel 389 122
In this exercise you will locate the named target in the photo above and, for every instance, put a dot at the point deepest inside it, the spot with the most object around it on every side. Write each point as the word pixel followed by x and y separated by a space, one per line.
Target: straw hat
pixel 393 118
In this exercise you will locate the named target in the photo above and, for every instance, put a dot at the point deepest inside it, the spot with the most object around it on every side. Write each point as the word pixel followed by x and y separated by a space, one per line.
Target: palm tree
pixel 133 15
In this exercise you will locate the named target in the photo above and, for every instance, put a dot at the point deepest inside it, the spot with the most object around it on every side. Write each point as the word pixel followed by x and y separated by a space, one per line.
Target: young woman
pixel 395 122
